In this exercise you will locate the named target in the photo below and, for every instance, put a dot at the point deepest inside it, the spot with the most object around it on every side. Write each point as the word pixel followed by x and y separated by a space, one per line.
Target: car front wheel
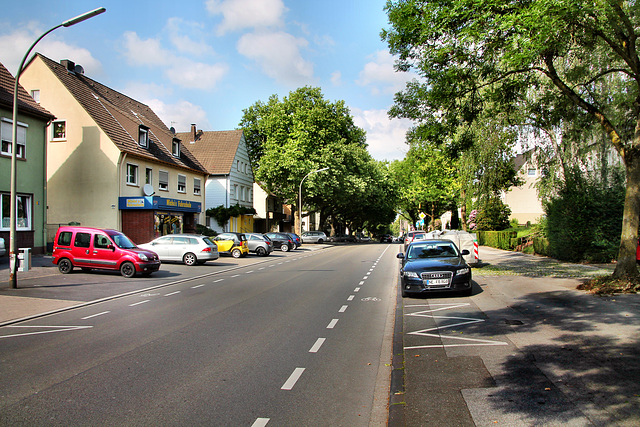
pixel 127 269
pixel 65 266
pixel 189 259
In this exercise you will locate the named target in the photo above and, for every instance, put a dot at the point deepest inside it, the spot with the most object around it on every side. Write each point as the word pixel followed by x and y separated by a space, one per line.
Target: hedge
pixel 497 239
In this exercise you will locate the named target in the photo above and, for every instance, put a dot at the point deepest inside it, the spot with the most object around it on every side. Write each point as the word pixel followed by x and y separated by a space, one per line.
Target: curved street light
pixel 13 242
pixel 299 225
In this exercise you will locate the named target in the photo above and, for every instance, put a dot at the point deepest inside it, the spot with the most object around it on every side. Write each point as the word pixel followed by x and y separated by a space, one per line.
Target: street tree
pixel 471 53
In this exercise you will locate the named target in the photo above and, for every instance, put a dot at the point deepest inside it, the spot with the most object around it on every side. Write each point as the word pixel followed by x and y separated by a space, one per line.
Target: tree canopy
pixel 492 55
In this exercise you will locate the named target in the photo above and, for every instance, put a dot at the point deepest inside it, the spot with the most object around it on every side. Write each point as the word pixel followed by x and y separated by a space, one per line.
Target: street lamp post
pixel 13 241
pixel 299 225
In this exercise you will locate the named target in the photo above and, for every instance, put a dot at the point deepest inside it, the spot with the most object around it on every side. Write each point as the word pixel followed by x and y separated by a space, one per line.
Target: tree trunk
pixel 463 209
pixel 626 266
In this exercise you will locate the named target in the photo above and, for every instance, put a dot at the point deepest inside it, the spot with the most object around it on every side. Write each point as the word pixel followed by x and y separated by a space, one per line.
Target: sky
pixel 205 61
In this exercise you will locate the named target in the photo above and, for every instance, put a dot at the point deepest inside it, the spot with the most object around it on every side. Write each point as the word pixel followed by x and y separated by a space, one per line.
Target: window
pixel 143 136
pixel 175 147
pixel 132 174
pixel 100 241
pixel 23 211
pixel 182 184
pixel 83 240
pixel 64 239
pixel 35 94
pixel 196 186
pixel 59 130
pixel 148 176
pixel 531 172
pixel 6 132
pixel 163 180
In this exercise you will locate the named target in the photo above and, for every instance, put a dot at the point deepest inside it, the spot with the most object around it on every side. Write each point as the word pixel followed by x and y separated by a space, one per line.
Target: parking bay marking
pixel 465 321
pixel 48 330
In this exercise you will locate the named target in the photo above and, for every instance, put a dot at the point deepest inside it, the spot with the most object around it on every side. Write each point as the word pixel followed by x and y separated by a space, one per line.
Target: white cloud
pixel 381 76
pixel 336 78
pixel 15 45
pixel 196 75
pixel 279 56
pixel 242 14
pixel 180 71
pixel 386 137
pixel 176 30
pixel 179 115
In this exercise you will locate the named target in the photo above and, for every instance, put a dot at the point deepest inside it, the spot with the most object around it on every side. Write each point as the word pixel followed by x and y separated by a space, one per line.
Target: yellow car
pixel 232 243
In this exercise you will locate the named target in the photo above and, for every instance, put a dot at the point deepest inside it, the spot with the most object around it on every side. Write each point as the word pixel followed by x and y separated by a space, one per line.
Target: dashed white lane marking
pixel 361 283
pixel 317 345
pixel 219 280
pixel 332 324
pixel 295 376
pixel 95 315
pixel 172 293
pixel 197 286
pixel 260 422
pixel 138 303
pixel 250 271
pixel 356 290
pixel 351 297
pixel 343 309
pixel 365 277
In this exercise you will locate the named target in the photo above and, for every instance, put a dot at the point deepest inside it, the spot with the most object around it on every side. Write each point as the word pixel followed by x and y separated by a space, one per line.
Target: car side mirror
pixel 112 247
pixel 400 255
pixel 465 252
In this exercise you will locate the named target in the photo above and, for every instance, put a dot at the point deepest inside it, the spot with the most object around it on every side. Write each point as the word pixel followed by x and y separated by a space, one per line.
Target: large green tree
pixel 471 54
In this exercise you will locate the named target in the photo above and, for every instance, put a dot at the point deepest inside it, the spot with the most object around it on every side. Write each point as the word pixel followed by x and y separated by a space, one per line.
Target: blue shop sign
pixel 159 203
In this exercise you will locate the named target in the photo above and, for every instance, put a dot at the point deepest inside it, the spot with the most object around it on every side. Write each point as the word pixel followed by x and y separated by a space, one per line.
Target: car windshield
pixel 122 241
pixel 432 250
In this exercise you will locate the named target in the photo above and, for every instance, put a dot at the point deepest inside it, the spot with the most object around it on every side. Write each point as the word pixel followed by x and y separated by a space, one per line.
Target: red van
pixel 90 248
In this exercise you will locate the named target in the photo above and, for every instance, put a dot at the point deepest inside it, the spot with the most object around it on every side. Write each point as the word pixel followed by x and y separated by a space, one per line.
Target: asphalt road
pixel 296 339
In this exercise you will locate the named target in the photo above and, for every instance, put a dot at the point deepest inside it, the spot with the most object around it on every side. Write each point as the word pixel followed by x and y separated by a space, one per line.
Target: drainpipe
pixel 123 157
pixel 45 214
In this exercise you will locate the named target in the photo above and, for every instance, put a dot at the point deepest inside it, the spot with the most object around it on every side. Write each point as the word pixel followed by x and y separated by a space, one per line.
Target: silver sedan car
pixel 190 249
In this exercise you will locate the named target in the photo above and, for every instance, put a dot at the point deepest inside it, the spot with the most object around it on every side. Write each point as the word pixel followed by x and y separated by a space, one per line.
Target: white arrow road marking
pixel 48 330
pixel 465 321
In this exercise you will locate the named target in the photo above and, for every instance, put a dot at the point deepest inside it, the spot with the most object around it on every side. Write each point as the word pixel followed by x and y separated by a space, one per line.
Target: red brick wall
pixel 138 225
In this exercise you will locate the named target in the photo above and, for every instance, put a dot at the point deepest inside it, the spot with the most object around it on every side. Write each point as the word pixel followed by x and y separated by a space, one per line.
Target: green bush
pixel 541 246
pixel 493 214
pixel 584 220
pixel 204 230
pixel 497 239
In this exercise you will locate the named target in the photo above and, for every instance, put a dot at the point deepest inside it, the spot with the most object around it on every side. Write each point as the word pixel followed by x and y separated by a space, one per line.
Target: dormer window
pixel 175 147
pixel 143 136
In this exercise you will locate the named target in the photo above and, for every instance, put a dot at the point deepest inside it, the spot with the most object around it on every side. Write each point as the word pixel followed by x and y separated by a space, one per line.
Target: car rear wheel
pixel 236 253
pixel 189 259
pixel 284 248
pixel 127 269
pixel 320 241
pixel 65 266
pixel 260 251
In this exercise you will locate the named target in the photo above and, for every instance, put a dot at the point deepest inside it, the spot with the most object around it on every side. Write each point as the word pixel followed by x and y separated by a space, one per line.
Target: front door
pixel 105 254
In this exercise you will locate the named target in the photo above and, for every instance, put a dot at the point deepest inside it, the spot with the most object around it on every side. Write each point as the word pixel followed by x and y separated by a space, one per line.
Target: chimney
pixel 193 132
pixel 69 65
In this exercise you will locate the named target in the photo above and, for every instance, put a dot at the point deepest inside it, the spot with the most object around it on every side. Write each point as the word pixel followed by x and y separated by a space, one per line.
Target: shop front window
pixel 168 223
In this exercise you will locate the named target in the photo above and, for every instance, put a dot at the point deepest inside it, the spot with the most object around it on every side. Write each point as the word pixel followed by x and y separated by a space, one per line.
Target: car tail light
pixel 207 249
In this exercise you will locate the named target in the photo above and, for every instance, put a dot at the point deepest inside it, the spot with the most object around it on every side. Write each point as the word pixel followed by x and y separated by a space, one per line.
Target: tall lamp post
pixel 299 225
pixel 13 241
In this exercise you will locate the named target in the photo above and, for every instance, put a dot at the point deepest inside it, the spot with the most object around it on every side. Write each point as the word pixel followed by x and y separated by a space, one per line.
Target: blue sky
pixel 205 61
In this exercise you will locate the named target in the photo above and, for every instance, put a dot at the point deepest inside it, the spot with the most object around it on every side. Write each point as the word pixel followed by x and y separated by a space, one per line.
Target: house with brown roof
pixel 226 159
pixel 112 163
pixel 31 154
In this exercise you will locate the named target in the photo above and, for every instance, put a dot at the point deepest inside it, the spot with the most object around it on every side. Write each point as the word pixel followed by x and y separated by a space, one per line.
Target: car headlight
pixel 410 274
pixel 463 271
pixel 143 257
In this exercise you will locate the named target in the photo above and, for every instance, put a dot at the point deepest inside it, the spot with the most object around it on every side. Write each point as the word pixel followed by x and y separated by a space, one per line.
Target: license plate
pixel 436 282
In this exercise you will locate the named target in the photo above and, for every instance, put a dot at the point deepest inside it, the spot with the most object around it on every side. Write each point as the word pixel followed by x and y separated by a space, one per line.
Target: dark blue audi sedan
pixel 434 266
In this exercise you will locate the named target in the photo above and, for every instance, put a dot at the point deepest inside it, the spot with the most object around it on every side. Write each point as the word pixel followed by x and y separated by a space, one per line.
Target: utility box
pixel 24 259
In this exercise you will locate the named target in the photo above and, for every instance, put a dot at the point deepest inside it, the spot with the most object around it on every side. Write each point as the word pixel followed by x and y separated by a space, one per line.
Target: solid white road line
pixel 317 345
pixel 295 376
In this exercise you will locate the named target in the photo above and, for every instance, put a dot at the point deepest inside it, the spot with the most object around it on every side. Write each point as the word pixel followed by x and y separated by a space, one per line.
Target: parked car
pixel 341 237
pixel 386 238
pixel 191 249
pixel 232 243
pixel 281 241
pixel 434 266
pixel 313 237
pixel 90 248
pixel 296 239
pixel 259 244
pixel 414 235
pixel 3 251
